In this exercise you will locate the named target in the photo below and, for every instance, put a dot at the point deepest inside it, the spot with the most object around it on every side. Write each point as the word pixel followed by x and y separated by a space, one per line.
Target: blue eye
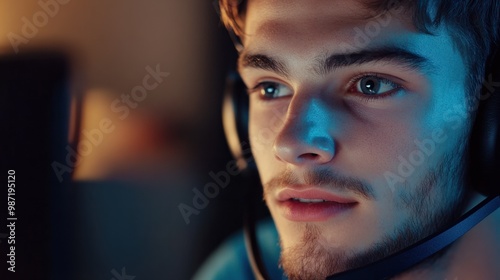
pixel 373 85
pixel 271 90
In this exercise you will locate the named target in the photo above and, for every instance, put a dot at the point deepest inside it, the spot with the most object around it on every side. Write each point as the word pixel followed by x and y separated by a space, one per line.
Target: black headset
pixel 484 174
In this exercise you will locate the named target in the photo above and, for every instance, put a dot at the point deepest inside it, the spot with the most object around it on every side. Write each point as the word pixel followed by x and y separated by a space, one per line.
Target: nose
pixel 305 137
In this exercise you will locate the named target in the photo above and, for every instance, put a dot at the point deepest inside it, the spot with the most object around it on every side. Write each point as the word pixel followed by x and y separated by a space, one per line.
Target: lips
pixel 312 204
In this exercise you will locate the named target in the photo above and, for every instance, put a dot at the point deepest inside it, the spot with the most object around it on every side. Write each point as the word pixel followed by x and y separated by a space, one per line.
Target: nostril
pixel 309 156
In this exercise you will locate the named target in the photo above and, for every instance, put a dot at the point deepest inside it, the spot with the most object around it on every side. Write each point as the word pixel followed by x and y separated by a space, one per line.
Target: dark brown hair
pixel 475 26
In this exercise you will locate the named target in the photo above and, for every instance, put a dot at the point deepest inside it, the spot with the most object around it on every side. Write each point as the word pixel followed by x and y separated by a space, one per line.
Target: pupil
pixel 370 86
pixel 270 90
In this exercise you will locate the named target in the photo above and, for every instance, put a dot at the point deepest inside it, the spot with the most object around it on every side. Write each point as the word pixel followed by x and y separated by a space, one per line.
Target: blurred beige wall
pixel 112 43
pixel 116 39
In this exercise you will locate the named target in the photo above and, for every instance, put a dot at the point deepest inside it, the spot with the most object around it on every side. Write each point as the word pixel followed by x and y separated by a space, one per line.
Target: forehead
pixel 302 32
pixel 340 10
pixel 301 22
pixel 308 8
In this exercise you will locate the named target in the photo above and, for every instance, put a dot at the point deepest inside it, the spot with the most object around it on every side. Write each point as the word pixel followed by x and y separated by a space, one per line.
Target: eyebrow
pixel 326 65
pixel 262 61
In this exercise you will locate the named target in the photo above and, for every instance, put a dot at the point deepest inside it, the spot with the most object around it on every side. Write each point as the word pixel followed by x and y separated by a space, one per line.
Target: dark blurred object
pixel 485 140
pixel 34 119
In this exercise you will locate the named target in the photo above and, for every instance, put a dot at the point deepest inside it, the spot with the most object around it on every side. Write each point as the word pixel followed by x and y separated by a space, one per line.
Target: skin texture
pixel 319 131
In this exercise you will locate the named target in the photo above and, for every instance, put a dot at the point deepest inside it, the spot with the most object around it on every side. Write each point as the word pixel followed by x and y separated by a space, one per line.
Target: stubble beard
pixel 434 205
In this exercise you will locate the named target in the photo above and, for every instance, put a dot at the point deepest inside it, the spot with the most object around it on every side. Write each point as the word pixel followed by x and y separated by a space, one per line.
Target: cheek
pixel 264 125
pixel 373 145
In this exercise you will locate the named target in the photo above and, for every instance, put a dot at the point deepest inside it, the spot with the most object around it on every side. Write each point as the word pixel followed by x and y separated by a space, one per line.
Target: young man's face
pixel 357 125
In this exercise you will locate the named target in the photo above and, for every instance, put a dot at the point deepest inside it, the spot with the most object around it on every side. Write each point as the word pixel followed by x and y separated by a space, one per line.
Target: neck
pixel 473 256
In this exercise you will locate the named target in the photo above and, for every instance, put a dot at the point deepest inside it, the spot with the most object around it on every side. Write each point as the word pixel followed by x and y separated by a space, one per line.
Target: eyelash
pixel 354 80
pixel 257 88
pixel 251 90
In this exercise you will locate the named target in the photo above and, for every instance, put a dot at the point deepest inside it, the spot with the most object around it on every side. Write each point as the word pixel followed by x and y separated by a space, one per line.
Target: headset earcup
pixel 484 165
pixel 235 119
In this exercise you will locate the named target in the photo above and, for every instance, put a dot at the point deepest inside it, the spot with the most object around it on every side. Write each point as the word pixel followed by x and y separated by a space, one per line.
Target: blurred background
pixel 111 147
